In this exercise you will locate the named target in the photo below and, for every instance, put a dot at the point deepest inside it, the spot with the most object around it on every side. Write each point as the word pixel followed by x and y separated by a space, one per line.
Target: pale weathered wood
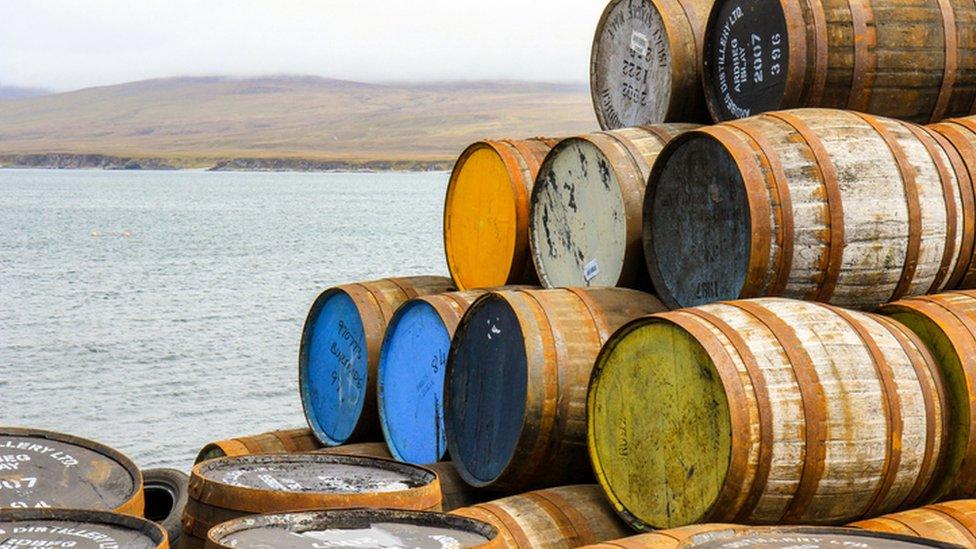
pixel 951 522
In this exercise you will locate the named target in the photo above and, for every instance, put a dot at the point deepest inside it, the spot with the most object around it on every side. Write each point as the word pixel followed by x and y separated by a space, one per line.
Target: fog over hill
pixel 284 122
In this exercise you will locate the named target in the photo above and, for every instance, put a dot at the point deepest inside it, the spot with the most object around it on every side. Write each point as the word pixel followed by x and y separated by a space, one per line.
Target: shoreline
pixel 81 161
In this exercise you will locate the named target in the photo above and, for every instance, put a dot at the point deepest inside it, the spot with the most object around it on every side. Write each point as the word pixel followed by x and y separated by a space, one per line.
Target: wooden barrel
pixel 905 59
pixel 486 213
pixel 718 536
pixel 766 411
pixel 555 518
pixel 951 522
pixel 779 205
pixel 455 493
pixel 228 488
pixel 644 65
pixel 340 352
pixel 45 469
pixel 410 382
pixel 78 529
pixel 947 325
pixel 585 223
pixel 515 387
pixel 960 133
pixel 362 449
pixel 356 528
pixel 287 441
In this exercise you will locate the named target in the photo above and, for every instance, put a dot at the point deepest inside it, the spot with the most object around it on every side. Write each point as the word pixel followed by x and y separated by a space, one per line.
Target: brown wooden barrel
pixel 340 353
pixel 455 493
pixel 644 62
pixel 811 204
pixel 45 469
pixel 723 536
pixel 363 449
pixel 515 388
pixel 227 488
pixel 286 441
pixel 959 136
pixel 766 411
pixel 951 522
pixel 947 325
pixel 908 59
pixel 555 518
pixel 585 223
pixel 410 382
pixel 356 528
pixel 78 529
pixel 486 213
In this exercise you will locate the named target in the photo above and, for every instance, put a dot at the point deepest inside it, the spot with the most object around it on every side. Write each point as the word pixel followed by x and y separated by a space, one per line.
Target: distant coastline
pixel 67 161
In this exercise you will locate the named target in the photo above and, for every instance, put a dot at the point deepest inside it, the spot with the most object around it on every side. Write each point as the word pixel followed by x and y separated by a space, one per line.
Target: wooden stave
pixel 577 514
pixel 375 301
pixel 951 522
pixel 960 136
pixel 733 510
pixel 522 159
pixel 771 272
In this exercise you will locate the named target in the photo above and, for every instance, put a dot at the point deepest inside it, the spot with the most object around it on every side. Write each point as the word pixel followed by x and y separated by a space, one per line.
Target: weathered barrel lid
pixel 791 537
pixel 46 469
pixel 79 529
pixel 257 483
pixel 356 528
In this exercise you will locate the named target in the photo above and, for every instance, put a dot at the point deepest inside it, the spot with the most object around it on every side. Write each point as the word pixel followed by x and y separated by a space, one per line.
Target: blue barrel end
pixel 411 384
pixel 486 387
pixel 333 367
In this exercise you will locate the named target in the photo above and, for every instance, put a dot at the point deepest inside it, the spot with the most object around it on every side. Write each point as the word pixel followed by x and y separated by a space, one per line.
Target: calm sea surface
pixel 158 311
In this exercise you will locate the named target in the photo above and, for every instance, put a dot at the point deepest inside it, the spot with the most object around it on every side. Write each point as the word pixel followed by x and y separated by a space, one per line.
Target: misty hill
pixel 17 92
pixel 203 121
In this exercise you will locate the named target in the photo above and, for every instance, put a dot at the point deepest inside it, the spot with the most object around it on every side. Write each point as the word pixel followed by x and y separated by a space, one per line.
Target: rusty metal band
pixel 782 210
pixel 951 60
pixel 723 507
pixel 949 197
pixel 603 328
pixel 821 46
pixel 532 161
pixel 929 378
pixel 814 404
pixel 954 141
pixel 553 354
pixel 865 39
pixel 557 505
pixel 832 260
pixel 758 382
pixel 508 522
pixel 892 409
pixel 694 23
pixel 233 447
pixel 660 132
pixel 287 441
pixel 447 310
pixel 912 201
pixel 371 302
pixel 962 522
pixel 264 444
pixel 637 158
pixel 796 37
pixel 520 192
pixel 759 206
pixel 405 286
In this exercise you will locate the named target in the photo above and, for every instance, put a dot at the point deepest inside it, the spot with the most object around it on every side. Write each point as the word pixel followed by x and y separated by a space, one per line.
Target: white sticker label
pixel 590 271
pixel 639 43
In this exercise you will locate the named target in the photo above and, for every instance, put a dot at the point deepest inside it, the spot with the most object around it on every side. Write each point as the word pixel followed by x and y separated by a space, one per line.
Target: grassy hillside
pixel 197 122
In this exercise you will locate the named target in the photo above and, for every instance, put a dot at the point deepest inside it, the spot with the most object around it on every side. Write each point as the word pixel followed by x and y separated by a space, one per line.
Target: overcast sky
pixel 70 44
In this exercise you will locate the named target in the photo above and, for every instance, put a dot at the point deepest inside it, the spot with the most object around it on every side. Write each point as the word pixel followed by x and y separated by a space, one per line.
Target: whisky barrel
pixel 46 469
pixel 515 387
pixel 228 488
pixel 555 518
pixel 644 65
pixel 356 528
pixel 781 205
pixel 719 536
pixel 410 382
pixel 905 59
pixel 340 352
pixel 78 529
pixel 585 222
pixel 287 441
pixel 947 325
pixel 486 213
pixel 455 493
pixel 959 135
pixel 766 411
pixel 362 449
pixel 951 522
